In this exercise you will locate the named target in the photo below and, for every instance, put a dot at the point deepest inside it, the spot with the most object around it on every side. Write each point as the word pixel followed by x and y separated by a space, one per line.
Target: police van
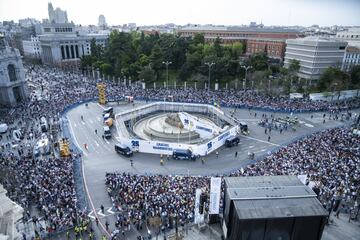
pixel 107 132
pixel 123 149
pixel 183 154
pixel 232 141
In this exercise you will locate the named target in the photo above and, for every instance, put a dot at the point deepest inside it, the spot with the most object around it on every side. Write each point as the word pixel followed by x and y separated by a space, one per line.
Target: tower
pixel 51 12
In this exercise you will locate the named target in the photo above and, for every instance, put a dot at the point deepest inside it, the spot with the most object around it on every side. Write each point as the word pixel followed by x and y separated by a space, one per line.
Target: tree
pixel 105 68
pixel 333 78
pixel 355 76
pixel 294 68
pixel 198 39
pixel 258 61
pixel 147 74
pixel 156 59
pixel 237 49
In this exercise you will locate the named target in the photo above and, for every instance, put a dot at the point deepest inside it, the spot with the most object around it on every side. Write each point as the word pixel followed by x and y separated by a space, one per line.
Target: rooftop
pixel 272 197
pixel 241 29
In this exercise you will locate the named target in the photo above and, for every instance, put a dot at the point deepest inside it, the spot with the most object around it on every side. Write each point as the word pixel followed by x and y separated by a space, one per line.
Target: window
pixel 11 72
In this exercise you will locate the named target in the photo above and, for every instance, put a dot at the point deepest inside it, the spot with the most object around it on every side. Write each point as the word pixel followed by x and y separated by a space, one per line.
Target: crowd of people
pixel 57 89
pixel 330 158
pixel 47 184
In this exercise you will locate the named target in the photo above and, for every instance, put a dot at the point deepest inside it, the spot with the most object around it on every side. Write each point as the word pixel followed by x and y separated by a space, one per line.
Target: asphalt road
pixel 101 157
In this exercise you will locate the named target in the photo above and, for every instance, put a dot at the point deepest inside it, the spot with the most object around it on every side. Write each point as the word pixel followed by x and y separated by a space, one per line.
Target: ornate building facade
pixel 13 87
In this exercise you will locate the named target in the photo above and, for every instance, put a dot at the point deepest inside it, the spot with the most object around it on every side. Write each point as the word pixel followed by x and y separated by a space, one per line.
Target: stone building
pixel 13 87
pixel 258 40
pixel 10 213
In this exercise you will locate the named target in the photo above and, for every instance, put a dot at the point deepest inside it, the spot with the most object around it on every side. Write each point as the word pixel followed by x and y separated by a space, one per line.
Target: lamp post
pixel 246 69
pixel 209 65
pixel 270 78
pixel 167 63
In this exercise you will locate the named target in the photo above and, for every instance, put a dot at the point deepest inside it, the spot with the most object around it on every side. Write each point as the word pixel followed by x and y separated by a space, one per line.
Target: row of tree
pixel 141 56
pixel 138 56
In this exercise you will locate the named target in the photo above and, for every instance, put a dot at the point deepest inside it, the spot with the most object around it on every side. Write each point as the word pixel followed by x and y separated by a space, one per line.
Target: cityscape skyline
pixel 229 12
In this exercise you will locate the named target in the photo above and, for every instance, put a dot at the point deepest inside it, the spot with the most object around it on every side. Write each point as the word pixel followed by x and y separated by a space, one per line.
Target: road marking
pixel 74 124
pixel 251 146
pixel 100 213
pixel 75 140
pixel 91 121
pixel 262 150
pixel 83 122
pixel 309 125
pixel 109 211
pixel 107 141
pixel 98 118
pixel 101 106
pixel 90 215
pixel 274 144
pixel 97 144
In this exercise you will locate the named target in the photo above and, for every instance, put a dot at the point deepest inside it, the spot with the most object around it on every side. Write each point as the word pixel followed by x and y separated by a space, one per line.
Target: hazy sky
pixel 227 12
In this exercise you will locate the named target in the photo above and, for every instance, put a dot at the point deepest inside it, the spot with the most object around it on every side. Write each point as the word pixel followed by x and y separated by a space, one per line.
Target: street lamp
pixel 209 65
pixel 246 69
pixel 167 63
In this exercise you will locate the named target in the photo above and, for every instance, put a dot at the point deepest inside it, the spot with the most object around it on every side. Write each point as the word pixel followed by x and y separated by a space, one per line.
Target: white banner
pixel 199 218
pixel 215 191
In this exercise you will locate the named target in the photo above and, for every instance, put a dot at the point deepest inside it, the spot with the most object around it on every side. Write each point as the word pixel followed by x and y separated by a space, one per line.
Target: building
pixel 351 57
pixel 10 213
pixel 63 47
pixel 57 15
pixel 257 40
pixel 351 35
pixel 28 22
pixel 32 48
pixel 102 22
pixel 315 54
pixel 271 207
pixel 13 88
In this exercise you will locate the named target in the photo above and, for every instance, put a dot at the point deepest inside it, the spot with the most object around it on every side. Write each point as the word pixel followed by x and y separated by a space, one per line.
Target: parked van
pixel 108 110
pixel 244 128
pixel 183 154
pixel 232 141
pixel 107 132
pixel 123 149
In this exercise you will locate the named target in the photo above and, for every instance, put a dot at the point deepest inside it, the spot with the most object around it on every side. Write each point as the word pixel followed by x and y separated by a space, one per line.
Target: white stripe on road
pixel 262 150
pixel 97 144
pixel 101 106
pixel 274 144
pixel 251 146
pixel 75 140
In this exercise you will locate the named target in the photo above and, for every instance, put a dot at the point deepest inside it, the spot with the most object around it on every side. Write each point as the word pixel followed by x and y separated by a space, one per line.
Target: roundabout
pixel 100 157
pixel 162 127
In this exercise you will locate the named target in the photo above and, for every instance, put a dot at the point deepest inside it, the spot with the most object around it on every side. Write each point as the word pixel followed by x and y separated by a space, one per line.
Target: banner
pixel 199 218
pixel 215 194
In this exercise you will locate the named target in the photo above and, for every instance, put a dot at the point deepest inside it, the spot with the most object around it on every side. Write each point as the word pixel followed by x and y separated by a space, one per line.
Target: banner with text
pixel 215 191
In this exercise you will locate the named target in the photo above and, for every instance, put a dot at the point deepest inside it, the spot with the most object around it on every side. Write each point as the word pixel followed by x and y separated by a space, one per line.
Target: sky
pixel 219 12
